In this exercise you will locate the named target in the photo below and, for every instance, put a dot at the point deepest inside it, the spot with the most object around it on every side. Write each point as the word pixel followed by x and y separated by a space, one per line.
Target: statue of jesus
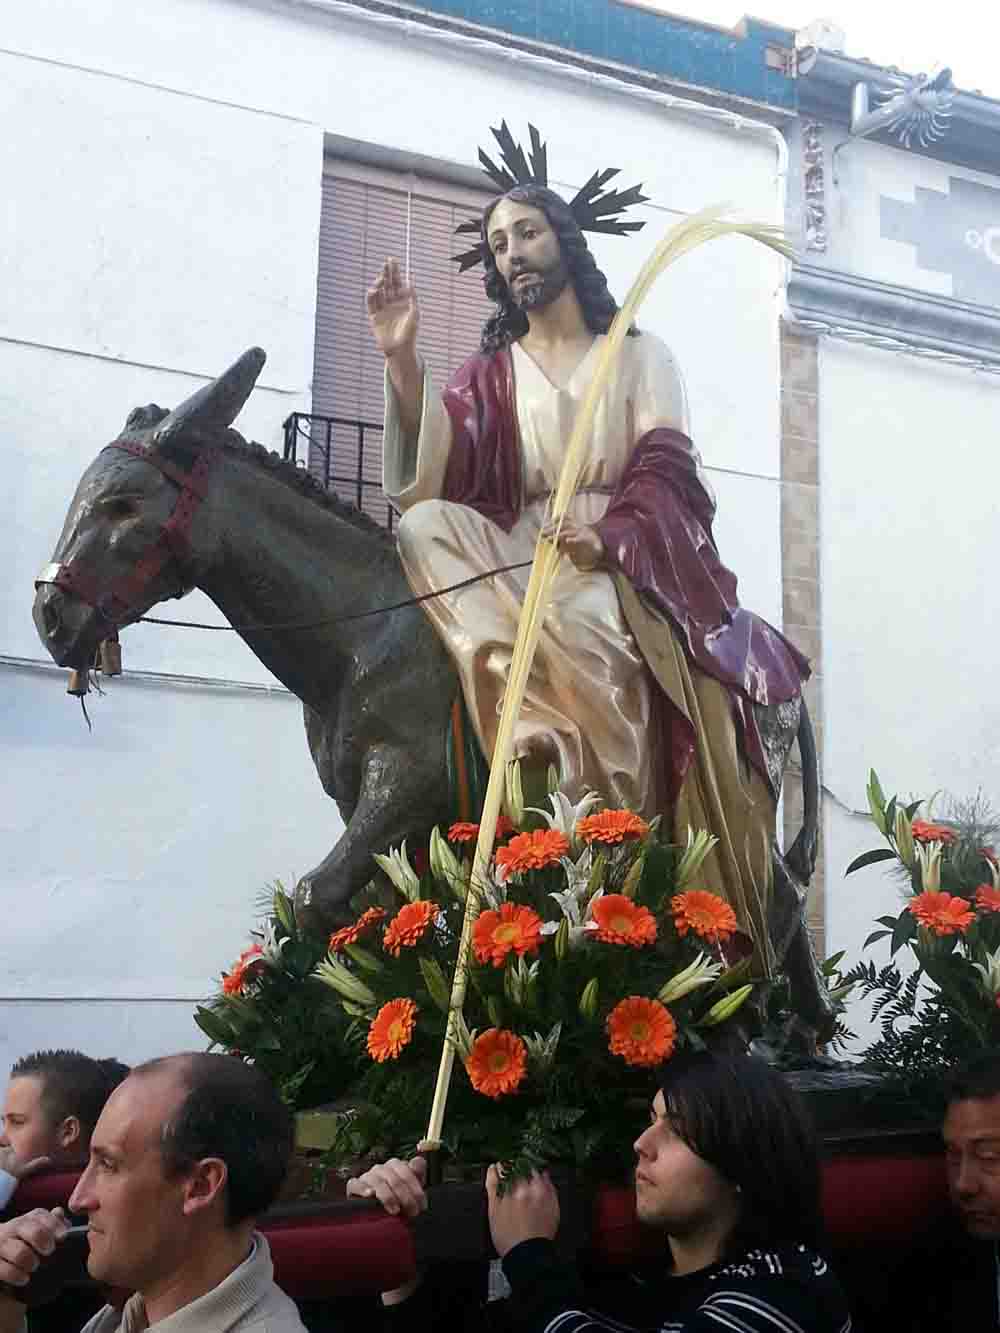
pixel 647 669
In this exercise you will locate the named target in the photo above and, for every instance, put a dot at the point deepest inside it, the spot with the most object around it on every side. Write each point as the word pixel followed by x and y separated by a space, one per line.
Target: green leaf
pixel 889 921
pixel 912 808
pixel 437 985
pixel 904 931
pixel 284 911
pixel 870 859
pixel 890 817
pixel 832 963
pixel 214 1027
pixel 364 959
pixel 875 936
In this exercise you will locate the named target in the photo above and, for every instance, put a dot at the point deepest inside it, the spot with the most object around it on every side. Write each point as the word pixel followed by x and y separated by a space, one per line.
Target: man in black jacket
pixel 727 1170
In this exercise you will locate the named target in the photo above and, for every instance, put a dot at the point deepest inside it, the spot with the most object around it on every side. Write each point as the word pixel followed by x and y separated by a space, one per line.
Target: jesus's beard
pixel 544 287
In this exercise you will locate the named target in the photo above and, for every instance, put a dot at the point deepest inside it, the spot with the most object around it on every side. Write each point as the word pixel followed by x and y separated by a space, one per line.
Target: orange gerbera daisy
pixel 611 826
pixel 497 1062
pixel 924 831
pixel 407 927
pixel 532 851
pixel 232 982
pixel 351 934
pixel 708 915
pixel 391 1030
pixel 513 929
pixel 988 898
pixel 642 1031
pixel 942 913
pixel 621 921
pixel 465 832
pixel 250 964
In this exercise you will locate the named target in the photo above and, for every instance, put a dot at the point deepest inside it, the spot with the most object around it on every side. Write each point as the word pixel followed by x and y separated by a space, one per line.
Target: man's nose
pixel 81 1200
pixel 966 1179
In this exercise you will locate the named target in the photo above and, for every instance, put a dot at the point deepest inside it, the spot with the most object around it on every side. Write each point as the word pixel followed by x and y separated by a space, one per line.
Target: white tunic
pixel 589 697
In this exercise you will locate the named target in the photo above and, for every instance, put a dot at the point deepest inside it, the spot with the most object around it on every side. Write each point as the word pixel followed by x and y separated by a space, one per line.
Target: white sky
pixel 914 35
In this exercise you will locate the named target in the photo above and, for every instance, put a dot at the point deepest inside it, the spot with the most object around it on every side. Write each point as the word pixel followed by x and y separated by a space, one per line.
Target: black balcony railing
pixel 344 455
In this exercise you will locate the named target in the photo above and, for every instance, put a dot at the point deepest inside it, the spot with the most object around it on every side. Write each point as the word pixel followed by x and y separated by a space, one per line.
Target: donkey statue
pixel 180 500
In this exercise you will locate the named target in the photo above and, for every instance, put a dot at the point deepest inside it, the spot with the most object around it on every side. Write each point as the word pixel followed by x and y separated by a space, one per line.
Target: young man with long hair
pixel 727 1170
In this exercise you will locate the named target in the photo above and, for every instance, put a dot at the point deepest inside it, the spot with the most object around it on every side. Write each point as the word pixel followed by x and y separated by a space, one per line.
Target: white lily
pixel 492 888
pixel 270 944
pixel 929 860
pixel 514 793
pixel 904 839
pixel 565 815
pixel 990 973
pixel 521 981
pixel 699 973
pixel 542 1050
pixel 462 1038
pixel 446 868
pixel 699 844
pixel 399 870
pixel 579 919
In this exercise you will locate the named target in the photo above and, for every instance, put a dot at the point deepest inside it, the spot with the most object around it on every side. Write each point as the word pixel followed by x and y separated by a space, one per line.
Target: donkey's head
pixel 127 541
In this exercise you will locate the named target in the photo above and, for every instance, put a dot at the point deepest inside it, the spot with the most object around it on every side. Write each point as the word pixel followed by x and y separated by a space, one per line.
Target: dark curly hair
pixel 591 286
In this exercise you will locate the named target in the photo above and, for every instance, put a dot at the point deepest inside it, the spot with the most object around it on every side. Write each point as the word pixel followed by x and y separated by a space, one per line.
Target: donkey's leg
pixel 794 951
pixel 398 796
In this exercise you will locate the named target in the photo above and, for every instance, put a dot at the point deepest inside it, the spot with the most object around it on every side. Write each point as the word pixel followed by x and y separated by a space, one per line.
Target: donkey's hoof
pixel 316 910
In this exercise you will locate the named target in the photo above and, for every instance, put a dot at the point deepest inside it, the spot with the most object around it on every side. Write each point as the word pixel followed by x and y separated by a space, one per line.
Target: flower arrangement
pixel 268 1010
pixel 594 957
pixel 947 1005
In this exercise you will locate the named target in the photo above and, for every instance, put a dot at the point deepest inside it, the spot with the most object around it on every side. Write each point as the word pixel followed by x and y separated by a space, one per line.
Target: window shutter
pixel 370 215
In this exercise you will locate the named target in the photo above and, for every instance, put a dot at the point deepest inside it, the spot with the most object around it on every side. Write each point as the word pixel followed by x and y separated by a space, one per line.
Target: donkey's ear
pixel 218 404
pixel 141 418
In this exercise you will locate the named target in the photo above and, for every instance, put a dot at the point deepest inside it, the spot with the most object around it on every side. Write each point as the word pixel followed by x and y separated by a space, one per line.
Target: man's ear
pixel 69 1134
pixel 205 1184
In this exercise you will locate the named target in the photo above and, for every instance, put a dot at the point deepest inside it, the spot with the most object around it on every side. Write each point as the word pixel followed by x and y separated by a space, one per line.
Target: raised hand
pixel 392 311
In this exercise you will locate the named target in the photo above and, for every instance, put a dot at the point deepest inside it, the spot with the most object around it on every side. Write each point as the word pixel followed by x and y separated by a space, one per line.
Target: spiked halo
pixel 594 207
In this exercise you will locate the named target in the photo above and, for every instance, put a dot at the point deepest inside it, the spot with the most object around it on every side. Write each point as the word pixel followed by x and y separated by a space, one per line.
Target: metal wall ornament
pixel 594 207
pixel 814 185
pixel 916 110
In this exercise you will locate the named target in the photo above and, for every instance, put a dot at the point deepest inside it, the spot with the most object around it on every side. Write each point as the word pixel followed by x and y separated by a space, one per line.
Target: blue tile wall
pixel 663 44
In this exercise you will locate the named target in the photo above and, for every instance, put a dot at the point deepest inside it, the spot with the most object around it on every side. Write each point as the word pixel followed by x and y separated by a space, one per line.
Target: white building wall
pixel 161 168
pixel 909 549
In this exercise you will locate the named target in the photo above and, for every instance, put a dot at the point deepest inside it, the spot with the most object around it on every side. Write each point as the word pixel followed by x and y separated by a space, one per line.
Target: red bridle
pixel 116 603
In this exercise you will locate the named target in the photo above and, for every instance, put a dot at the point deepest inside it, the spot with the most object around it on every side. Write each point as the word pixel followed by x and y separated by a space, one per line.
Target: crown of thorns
pixel 594 207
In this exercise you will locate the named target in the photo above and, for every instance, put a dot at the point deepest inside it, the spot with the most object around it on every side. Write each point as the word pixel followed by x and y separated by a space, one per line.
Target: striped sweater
pixel 785 1291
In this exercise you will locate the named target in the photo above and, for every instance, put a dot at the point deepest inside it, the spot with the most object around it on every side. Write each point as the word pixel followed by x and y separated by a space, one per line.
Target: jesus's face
pixel 527 254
